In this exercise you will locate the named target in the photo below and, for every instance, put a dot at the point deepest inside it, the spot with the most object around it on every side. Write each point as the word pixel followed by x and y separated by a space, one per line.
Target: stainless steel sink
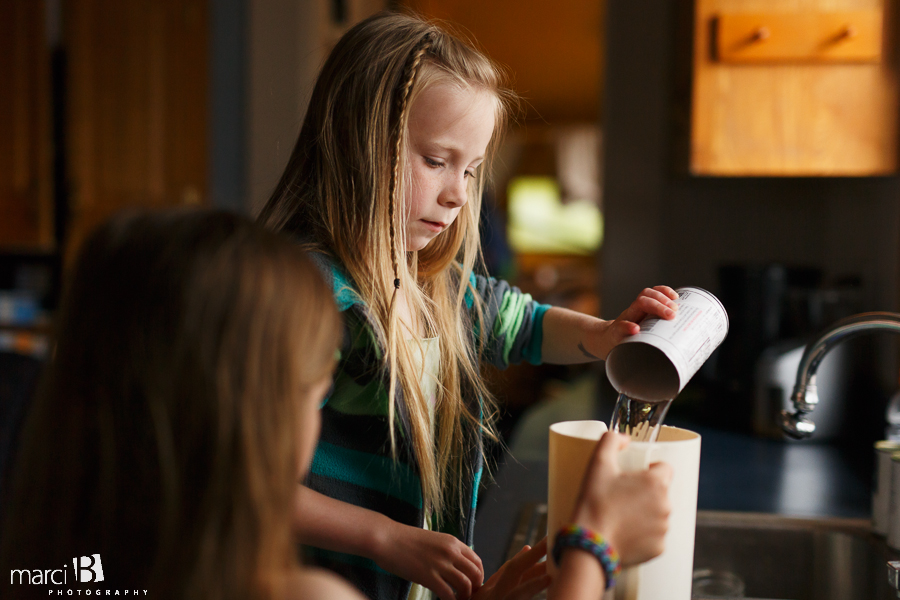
pixel 797 559
pixel 777 557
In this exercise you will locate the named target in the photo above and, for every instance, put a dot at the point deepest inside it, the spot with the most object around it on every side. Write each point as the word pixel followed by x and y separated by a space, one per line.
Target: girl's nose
pixel 456 192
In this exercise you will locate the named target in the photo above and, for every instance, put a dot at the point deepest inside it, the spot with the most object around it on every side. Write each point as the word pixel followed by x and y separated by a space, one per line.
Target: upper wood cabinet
pixel 26 213
pixel 133 86
pixel 554 51
pixel 136 106
pixel 795 88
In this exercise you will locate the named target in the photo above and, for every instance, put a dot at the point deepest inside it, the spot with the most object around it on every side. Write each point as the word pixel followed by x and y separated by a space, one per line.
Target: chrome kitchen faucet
pixel 805 397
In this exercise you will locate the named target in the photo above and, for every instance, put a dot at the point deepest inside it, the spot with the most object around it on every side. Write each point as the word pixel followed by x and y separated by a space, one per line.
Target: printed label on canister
pixel 881 490
pixel 657 362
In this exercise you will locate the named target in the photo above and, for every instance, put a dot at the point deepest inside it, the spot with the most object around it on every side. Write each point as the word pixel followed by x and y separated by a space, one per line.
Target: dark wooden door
pixel 26 217
pixel 136 106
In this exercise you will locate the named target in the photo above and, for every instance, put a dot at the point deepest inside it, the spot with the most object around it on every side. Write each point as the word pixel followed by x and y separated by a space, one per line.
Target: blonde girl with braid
pixel 384 188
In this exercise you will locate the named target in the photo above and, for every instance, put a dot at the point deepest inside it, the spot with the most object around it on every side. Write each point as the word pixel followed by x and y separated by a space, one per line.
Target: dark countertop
pixel 738 472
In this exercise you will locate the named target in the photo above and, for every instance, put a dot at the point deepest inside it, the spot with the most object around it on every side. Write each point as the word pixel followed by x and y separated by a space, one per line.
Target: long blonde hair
pixel 342 193
pixel 165 437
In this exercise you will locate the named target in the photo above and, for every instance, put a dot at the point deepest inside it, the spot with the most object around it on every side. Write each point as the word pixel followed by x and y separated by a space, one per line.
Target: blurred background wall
pixel 106 105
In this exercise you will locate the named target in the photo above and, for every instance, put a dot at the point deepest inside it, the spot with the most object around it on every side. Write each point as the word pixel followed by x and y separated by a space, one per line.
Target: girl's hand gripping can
pixel 656 363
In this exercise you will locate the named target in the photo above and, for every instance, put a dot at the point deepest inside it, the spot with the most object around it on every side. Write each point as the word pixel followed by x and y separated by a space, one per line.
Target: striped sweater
pixel 353 461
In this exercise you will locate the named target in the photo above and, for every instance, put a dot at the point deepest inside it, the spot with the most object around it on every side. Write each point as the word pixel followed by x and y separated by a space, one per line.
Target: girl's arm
pixel 435 560
pixel 317 584
pixel 573 337
pixel 630 510
pixel 579 577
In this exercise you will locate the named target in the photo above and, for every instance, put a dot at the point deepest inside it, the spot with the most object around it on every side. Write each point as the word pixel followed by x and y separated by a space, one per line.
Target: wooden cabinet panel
pixel 137 106
pixel 841 36
pixel 26 214
pixel 790 119
pixel 554 51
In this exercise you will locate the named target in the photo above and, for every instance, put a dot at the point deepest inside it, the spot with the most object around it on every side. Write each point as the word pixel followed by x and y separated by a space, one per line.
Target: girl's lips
pixel 434 225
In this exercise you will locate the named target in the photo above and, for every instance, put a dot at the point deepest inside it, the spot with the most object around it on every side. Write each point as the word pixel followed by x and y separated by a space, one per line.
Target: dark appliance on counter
pixel 774 310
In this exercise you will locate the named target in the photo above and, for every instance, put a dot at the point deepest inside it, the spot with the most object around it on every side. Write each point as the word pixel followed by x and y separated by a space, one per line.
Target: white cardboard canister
pixel 893 534
pixel 572 444
pixel 668 576
pixel 881 494
pixel 657 362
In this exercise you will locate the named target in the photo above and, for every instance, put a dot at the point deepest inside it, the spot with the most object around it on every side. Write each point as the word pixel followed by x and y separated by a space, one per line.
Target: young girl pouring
pixel 384 187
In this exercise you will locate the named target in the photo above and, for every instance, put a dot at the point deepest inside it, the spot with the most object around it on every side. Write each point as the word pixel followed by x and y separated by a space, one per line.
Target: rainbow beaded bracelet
pixel 574 536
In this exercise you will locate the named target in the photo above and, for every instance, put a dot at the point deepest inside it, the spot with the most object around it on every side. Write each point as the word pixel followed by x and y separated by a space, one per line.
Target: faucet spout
pixel 805 397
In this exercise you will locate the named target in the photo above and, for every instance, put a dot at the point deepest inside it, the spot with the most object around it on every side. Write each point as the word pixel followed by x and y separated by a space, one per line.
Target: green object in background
pixel 540 223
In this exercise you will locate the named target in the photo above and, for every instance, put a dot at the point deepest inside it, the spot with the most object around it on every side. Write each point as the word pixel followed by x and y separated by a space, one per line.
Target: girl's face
pixel 449 131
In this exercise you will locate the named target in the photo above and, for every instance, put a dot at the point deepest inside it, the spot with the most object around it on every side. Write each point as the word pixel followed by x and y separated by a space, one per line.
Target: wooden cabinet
pixel 26 214
pixel 132 104
pixel 554 51
pixel 136 106
pixel 795 88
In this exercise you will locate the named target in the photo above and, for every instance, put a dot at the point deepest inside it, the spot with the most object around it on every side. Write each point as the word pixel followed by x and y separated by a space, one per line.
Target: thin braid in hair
pixel 411 70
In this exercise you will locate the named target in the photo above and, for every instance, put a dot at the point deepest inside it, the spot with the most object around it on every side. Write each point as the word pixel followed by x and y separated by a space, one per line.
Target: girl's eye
pixel 433 163
pixel 470 173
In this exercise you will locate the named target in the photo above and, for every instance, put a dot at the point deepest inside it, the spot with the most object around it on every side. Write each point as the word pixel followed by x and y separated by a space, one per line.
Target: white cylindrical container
pixel 881 493
pixel 669 576
pixel 572 444
pixel 656 363
pixel 893 534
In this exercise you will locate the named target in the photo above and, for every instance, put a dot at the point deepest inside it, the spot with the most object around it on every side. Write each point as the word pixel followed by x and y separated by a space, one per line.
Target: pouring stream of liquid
pixel 639 419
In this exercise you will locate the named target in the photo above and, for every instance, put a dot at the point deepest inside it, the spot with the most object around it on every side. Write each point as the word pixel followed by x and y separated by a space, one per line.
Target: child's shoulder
pixel 313 584
pixel 342 286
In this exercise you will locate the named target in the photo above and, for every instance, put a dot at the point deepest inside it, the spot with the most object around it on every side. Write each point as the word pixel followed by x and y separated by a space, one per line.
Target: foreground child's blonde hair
pixel 342 193
pixel 165 437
